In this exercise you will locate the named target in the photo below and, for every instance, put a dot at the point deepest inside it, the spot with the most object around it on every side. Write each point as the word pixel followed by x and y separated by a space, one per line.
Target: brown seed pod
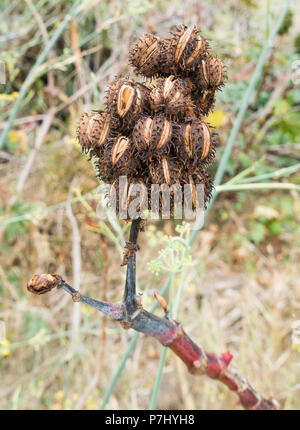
pixel 173 96
pixel 204 101
pixel 151 135
pixel 93 130
pixel 122 194
pixel 165 171
pixel 195 142
pixel 194 178
pixel 217 73
pixel 126 99
pixel 210 74
pixel 147 55
pixel 186 48
pixel 120 159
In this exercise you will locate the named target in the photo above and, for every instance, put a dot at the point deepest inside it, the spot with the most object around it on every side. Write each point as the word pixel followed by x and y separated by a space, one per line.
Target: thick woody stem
pixel 129 299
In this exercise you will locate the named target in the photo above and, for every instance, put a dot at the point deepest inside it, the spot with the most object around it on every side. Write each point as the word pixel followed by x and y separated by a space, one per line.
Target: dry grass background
pixel 241 290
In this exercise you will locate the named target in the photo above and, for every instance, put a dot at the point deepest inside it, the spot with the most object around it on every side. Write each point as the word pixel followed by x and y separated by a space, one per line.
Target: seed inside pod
pixel 206 141
pixel 165 135
pixel 166 170
pixel 148 131
pixel 182 44
pixel 168 86
pixel 125 99
pixel 188 141
pixel 195 52
pixel 217 72
pixel 204 70
pixel 119 148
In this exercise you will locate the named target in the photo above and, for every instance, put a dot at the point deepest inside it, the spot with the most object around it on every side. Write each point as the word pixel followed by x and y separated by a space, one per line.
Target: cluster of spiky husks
pixel 155 133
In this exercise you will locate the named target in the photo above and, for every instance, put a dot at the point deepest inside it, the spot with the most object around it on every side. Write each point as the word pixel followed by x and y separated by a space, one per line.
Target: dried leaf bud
pixel 165 171
pixel 186 48
pixel 41 284
pixel 152 135
pixel 93 130
pixel 195 142
pixel 173 96
pixel 126 99
pixel 146 55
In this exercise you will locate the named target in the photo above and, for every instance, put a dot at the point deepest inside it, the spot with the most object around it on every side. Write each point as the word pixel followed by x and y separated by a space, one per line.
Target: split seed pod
pixel 126 99
pixel 165 171
pixel 173 96
pixel 186 48
pixel 200 187
pixel 210 74
pixel 146 55
pixel 151 135
pixel 195 142
pixel 216 72
pixel 93 130
pixel 123 194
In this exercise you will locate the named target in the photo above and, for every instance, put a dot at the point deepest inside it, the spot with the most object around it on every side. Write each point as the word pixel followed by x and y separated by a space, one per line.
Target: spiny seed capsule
pixel 204 101
pixel 172 96
pixel 165 171
pixel 195 142
pixel 216 72
pixel 210 74
pixel 116 159
pixel 93 130
pixel 186 48
pixel 200 187
pixel 152 133
pixel 123 194
pixel 126 99
pixel 146 55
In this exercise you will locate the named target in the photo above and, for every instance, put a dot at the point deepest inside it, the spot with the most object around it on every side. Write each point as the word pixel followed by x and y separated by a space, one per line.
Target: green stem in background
pixel 75 9
pixel 248 95
pixel 163 357
pixel 260 186
pixel 242 112
pixel 220 172
pixel 276 174
pixel 158 379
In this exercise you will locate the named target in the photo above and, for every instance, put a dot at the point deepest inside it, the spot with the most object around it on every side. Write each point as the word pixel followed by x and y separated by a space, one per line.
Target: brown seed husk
pixel 126 100
pixel 125 194
pixel 172 96
pixel 147 55
pixel 195 143
pixel 152 135
pixel 165 171
pixel 155 133
pixel 201 177
pixel 93 130
pixel 186 48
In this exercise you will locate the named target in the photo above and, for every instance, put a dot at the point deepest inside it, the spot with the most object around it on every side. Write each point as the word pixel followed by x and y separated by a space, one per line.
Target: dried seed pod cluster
pixel 155 133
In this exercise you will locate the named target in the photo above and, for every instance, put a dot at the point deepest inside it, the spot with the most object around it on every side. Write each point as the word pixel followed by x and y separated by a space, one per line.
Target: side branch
pixel 168 332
